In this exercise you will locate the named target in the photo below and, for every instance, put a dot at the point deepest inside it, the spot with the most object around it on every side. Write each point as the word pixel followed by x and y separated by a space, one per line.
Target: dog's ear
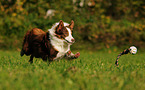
pixel 60 26
pixel 71 25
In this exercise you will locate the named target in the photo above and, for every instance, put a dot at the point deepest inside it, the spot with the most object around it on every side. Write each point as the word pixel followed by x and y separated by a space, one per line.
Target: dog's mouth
pixel 68 41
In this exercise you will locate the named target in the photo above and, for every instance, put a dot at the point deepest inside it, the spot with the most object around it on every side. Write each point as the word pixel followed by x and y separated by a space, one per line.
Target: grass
pixel 92 70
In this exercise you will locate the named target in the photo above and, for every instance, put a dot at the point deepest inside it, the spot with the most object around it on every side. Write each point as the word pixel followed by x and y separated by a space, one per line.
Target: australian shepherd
pixel 52 45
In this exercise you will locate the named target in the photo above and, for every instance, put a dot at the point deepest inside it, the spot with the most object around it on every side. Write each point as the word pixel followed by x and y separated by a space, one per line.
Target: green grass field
pixel 92 70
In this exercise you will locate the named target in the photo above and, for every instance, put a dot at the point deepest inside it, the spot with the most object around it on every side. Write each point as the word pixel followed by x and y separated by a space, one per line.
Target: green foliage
pixel 102 23
pixel 91 71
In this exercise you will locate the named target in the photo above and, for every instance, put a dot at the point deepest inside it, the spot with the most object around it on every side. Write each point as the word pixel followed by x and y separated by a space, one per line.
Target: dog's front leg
pixel 70 55
pixel 31 59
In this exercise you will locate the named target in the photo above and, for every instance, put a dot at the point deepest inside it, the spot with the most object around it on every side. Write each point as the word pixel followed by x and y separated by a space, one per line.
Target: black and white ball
pixel 133 50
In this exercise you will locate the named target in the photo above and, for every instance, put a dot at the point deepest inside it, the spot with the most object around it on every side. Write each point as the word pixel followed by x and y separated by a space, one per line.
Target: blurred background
pixel 99 24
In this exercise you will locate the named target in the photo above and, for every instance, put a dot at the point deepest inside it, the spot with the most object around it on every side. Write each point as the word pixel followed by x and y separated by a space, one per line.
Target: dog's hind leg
pixel 22 53
pixel 70 55
pixel 31 59
pixel 44 58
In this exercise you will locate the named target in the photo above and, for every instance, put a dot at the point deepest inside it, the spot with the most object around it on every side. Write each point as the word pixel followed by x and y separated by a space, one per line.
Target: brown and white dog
pixel 51 45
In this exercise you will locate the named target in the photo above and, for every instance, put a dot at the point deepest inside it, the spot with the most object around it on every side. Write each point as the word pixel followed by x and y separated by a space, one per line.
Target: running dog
pixel 52 45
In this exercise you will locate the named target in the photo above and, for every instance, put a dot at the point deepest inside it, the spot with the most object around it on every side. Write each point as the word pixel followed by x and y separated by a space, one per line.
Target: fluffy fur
pixel 51 45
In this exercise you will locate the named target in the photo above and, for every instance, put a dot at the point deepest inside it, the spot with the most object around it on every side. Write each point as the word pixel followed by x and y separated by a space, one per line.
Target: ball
pixel 133 50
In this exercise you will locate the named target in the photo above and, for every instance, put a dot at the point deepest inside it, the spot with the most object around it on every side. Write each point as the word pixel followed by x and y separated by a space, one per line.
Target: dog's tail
pixel 25 45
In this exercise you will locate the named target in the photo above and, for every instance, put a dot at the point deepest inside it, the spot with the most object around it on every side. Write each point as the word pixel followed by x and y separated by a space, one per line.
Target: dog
pixel 51 45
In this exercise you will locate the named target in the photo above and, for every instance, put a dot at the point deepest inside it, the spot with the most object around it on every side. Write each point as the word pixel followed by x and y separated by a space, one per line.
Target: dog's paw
pixel 77 55
pixel 69 52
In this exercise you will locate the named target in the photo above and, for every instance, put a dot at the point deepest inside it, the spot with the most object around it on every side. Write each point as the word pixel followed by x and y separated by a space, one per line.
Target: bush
pixel 98 22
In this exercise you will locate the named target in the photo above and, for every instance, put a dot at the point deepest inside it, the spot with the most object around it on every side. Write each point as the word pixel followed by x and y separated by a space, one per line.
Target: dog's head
pixel 63 31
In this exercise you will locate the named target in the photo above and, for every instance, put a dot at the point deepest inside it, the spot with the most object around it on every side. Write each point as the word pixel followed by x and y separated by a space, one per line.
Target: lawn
pixel 92 70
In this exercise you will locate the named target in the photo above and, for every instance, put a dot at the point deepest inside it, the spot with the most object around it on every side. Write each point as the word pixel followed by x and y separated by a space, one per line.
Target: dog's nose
pixel 73 40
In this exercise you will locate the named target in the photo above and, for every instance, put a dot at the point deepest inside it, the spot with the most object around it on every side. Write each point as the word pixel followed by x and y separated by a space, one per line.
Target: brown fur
pixel 61 31
pixel 37 44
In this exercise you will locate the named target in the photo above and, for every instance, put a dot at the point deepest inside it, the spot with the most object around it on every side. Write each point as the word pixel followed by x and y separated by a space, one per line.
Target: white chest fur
pixel 61 47
pixel 59 44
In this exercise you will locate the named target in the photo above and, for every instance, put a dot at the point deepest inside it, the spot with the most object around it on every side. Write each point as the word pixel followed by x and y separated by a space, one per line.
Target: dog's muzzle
pixel 72 41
